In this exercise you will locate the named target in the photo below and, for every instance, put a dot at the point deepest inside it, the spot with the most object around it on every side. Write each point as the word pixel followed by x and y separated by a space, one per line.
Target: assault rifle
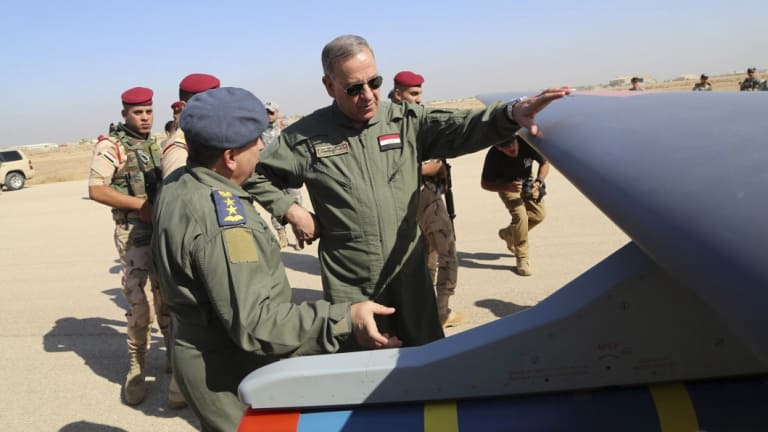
pixel 449 193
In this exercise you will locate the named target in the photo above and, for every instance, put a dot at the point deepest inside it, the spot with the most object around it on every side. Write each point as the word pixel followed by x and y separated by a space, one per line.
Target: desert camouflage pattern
pixel 439 240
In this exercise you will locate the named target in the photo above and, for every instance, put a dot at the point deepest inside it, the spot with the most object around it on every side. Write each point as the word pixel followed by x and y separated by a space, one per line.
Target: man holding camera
pixel 507 170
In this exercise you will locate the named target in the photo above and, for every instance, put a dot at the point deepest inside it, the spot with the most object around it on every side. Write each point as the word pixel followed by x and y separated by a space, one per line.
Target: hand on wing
pixel 364 325
pixel 525 111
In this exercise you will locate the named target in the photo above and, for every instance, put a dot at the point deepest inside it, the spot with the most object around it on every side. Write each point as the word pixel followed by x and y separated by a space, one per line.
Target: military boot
pixel 134 381
pixel 507 235
pixel 523 266
pixel 282 238
pixel 175 397
pixel 448 317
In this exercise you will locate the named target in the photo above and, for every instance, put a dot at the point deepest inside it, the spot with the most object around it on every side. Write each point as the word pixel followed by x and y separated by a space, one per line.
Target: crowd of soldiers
pixel 376 172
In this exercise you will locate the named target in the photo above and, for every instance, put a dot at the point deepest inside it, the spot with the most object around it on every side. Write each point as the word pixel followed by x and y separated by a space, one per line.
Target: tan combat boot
pixel 448 317
pixel 282 238
pixel 509 238
pixel 175 397
pixel 523 266
pixel 134 381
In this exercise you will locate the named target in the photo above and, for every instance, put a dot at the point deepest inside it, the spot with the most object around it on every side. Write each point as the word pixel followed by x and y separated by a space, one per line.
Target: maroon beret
pixel 198 82
pixel 137 96
pixel 176 105
pixel 408 79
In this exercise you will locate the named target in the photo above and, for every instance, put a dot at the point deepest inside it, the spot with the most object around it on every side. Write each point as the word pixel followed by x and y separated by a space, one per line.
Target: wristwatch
pixel 511 106
pixel 539 180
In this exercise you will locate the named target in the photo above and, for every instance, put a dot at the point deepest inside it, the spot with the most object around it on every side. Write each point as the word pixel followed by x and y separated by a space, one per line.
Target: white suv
pixel 15 169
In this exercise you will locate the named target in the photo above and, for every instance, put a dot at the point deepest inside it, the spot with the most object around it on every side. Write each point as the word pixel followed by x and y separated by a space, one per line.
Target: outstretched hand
pixel 364 326
pixel 525 111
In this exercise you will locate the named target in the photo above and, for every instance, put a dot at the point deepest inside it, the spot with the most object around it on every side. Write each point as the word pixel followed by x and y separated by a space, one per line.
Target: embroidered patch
pixel 391 141
pixel 241 246
pixel 229 209
pixel 108 156
pixel 331 150
pixel 527 162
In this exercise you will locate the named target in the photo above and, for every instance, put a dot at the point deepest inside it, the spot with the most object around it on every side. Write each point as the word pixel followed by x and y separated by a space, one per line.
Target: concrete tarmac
pixel 62 326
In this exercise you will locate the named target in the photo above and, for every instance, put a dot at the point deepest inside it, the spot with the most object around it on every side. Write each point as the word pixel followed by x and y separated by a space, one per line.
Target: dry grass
pixel 72 162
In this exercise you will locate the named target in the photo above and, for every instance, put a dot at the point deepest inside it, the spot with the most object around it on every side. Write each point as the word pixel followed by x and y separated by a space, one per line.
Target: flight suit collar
pixel 210 178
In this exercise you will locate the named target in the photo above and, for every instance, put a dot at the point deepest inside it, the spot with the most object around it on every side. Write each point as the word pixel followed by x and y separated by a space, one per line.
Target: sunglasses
pixel 373 83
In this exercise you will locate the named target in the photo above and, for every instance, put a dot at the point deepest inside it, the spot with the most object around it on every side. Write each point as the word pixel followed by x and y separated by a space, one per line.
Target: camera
pixel 528 191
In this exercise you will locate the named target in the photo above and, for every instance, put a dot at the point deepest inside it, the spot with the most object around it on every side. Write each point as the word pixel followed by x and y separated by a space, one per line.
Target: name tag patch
pixel 331 150
pixel 391 141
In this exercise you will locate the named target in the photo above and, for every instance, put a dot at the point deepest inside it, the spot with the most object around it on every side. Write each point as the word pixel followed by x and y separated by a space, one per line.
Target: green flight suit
pixel 364 187
pixel 226 287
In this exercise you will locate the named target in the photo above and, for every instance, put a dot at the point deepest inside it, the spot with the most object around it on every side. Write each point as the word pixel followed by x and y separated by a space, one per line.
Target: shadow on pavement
pixel 471 260
pixel 85 426
pixel 301 262
pixel 500 308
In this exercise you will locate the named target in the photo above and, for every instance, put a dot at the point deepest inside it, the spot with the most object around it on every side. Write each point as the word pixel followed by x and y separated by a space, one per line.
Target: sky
pixel 64 64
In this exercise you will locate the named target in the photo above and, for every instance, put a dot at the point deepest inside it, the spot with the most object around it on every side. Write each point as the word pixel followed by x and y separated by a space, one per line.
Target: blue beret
pixel 225 118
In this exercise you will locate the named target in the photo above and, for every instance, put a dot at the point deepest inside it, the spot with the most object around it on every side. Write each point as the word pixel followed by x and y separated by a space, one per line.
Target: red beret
pixel 198 82
pixel 137 96
pixel 408 79
pixel 176 105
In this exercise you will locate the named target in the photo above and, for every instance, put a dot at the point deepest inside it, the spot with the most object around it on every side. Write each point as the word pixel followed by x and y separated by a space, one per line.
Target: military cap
pixel 408 79
pixel 224 118
pixel 751 70
pixel 137 96
pixel 272 107
pixel 704 76
pixel 176 105
pixel 199 82
pixel 635 79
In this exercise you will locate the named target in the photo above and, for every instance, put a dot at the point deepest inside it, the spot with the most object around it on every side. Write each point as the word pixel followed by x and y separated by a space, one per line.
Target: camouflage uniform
pixel 122 161
pixel 702 87
pixel 174 152
pixel 750 84
pixel 439 242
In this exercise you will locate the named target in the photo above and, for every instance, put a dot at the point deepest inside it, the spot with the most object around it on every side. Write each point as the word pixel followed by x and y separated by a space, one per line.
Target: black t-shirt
pixel 499 167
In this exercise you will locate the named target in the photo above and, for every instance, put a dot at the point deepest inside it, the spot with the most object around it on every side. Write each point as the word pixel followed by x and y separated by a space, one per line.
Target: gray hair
pixel 340 48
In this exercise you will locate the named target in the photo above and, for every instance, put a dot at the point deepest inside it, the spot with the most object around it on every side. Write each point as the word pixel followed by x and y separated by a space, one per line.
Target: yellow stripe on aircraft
pixel 441 417
pixel 674 407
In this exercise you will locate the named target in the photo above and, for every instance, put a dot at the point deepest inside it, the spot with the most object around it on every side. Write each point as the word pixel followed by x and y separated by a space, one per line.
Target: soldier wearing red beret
pixel 407 87
pixel 125 177
pixel 175 147
pixel 433 217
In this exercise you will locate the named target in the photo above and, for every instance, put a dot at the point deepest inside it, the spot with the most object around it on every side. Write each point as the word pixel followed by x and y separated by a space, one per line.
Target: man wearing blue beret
pixel 220 267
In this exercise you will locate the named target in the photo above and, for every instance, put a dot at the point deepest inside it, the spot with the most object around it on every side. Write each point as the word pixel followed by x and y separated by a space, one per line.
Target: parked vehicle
pixel 15 169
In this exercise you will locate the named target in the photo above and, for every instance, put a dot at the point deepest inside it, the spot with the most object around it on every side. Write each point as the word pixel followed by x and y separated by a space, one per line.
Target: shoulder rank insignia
pixel 229 209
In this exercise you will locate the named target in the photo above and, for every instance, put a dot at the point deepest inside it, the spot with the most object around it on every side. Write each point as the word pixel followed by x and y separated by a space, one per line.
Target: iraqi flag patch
pixel 389 142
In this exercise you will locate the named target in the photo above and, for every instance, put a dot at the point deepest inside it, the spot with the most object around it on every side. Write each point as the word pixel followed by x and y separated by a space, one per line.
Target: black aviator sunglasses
pixel 374 83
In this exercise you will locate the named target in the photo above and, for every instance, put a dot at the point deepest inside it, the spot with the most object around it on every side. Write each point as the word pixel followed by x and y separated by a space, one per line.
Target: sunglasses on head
pixel 374 83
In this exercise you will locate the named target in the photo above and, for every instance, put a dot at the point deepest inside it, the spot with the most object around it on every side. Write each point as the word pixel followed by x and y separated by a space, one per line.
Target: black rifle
pixel 449 193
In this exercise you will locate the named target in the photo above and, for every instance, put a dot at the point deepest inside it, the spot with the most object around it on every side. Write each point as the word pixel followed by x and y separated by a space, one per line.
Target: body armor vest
pixel 140 175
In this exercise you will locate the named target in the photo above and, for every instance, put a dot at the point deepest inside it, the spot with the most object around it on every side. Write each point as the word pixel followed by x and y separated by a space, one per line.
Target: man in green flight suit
pixel 221 272
pixel 359 159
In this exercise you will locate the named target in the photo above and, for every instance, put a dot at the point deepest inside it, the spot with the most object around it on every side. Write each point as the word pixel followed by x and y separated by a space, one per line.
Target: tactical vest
pixel 140 175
